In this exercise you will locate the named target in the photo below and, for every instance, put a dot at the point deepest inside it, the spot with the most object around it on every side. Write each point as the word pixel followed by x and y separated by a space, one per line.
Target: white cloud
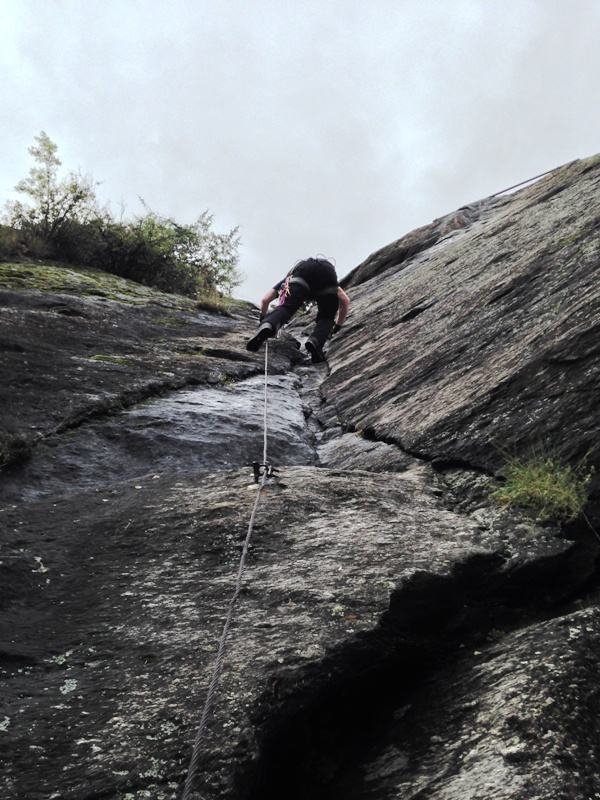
pixel 332 126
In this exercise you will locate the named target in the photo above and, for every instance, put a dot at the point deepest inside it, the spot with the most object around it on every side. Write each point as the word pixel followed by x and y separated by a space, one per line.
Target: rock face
pixel 78 345
pixel 397 635
pixel 204 428
pixel 487 341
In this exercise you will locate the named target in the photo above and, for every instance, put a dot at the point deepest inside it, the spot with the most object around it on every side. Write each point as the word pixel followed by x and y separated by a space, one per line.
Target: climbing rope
pixel 265 407
pixel 218 668
pixel 530 180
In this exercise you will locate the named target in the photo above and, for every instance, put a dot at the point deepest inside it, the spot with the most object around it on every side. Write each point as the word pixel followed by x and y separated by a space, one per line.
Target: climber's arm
pixel 343 306
pixel 268 298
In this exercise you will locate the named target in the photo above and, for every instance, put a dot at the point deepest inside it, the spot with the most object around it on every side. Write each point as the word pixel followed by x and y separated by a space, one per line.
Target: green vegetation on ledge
pixel 85 282
pixel 61 220
pixel 544 486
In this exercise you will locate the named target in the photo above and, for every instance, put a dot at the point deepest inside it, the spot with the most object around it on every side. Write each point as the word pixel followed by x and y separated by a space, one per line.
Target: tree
pixel 56 204
pixel 63 220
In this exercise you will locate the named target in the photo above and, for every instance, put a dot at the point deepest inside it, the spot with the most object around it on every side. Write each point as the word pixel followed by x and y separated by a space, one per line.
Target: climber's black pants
pixel 310 280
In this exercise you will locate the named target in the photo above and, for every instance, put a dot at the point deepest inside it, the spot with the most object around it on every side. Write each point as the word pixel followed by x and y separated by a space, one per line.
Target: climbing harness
pixel 262 471
pixel 285 291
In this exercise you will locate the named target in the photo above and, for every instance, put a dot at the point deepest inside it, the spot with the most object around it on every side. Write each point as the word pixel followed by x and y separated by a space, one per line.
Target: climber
pixel 310 279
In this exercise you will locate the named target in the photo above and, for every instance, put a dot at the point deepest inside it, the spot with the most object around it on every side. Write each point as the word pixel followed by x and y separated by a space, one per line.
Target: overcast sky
pixel 317 126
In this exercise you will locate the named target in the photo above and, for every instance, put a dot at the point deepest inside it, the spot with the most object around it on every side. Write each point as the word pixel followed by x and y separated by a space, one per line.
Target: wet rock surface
pixel 397 636
pixel 88 344
pixel 194 430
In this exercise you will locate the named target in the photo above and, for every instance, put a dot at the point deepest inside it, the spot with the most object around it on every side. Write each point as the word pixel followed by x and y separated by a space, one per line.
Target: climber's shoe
pixel 259 337
pixel 314 348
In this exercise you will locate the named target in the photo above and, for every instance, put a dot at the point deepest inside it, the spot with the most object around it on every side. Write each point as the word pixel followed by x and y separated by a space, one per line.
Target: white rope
pixel 266 402
pixel 218 668
pixel 529 180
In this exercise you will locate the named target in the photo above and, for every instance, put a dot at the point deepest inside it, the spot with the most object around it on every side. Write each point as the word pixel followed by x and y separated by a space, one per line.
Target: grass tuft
pixel 544 486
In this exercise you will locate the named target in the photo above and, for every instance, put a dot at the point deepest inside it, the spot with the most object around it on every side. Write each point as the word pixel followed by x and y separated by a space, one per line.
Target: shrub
pixel 545 486
pixel 141 253
pixel 191 260
pixel 9 243
pixel 80 242
pixel 62 220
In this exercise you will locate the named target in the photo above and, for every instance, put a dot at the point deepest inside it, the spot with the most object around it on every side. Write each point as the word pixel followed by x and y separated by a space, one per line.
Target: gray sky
pixel 327 126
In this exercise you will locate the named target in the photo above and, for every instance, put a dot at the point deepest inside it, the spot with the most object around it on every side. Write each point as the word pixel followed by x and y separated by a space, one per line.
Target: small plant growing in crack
pixel 543 485
pixel 227 382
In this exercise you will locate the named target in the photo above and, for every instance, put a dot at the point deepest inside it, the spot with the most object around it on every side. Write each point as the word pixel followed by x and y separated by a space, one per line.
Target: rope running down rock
pixel 529 180
pixel 218 668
